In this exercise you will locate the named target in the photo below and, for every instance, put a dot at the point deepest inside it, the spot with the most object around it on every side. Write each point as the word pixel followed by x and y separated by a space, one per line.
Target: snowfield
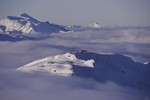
pixel 59 64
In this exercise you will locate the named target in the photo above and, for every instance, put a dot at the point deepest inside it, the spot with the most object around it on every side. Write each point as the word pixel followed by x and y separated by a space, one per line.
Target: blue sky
pixel 82 12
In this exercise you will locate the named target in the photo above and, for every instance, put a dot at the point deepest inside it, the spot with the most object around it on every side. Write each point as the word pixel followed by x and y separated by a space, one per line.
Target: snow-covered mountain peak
pixel 100 67
pixel 29 18
pixel 60 64
pixel 25 15
pixel 27 24
pixel 95 25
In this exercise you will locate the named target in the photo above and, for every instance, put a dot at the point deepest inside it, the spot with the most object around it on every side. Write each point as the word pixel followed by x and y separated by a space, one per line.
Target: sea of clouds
pixel 15 86
pixel 133 42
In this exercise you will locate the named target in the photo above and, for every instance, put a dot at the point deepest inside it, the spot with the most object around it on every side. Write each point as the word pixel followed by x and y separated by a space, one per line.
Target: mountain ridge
pixel 27 24
pixel 100 67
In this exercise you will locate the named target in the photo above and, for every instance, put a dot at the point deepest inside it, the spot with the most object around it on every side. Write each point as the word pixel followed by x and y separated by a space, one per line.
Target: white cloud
pixel 16 86
pixel 19 86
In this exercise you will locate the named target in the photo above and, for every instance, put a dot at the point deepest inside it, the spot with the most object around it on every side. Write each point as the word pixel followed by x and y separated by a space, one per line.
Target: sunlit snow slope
pixel 27 24
pixel 59 64
pixel 100 67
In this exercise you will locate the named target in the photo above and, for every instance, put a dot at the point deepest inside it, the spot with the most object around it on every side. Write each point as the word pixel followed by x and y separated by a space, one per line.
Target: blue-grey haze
pixel 83 12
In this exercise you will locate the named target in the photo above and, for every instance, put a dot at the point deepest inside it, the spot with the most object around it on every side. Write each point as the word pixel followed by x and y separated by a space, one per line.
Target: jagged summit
pixel 27 24
pixel 92 27
pixel 28 17
pixel 25 15
pixel 100 67
pixel 95 25
pixel 21 26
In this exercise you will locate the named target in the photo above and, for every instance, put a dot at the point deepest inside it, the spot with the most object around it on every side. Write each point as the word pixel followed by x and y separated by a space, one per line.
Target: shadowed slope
pixel 100 67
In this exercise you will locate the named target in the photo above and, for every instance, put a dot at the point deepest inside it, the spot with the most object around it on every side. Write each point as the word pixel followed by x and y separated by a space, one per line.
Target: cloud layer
pixel 134 42
pixel 16 86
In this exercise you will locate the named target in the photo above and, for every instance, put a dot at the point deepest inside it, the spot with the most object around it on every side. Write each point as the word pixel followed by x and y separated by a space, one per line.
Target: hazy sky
pixel 69 12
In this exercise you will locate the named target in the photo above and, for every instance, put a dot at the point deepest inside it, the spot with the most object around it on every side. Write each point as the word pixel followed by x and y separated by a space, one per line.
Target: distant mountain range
pixel 25 27
pixel 27 24
pixel 100 67
pixel 20 27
